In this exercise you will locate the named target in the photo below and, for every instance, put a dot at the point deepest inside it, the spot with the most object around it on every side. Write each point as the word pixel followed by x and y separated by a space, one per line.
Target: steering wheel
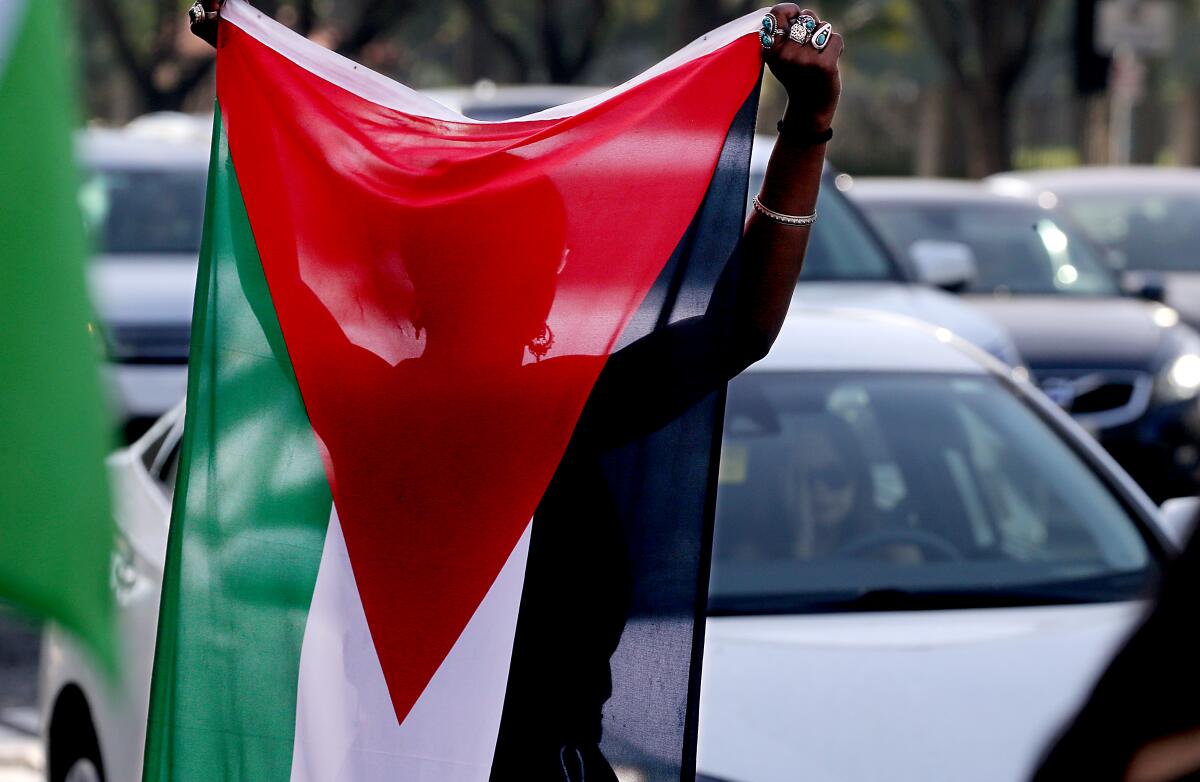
pixel 930 543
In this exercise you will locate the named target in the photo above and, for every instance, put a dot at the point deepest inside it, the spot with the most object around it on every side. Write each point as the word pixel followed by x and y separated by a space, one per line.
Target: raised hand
pixel 808 71
pixel 204 21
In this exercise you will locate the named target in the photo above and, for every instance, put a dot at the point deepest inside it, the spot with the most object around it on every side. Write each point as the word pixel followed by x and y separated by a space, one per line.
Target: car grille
pixel 1099 398
pixel 149 344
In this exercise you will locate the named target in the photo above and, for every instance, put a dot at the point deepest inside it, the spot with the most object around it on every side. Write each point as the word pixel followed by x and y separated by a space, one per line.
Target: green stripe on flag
pixel 248 526
pixel 56 528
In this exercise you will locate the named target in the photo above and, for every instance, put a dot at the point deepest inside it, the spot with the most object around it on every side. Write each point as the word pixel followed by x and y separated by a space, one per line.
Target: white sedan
pixel 921 564
pixel 872 464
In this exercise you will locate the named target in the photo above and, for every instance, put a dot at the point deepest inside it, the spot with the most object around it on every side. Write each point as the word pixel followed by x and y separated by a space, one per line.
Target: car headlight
pixel 1180 380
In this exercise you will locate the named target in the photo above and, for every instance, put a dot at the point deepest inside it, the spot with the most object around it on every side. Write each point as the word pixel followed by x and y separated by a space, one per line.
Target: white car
pixel 921 564
pixel 812 670
pixel 142 199
pixel 94 728
pixel 486 100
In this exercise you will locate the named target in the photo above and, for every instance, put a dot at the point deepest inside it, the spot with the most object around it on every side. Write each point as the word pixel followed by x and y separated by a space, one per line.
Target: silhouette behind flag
pixel 454 402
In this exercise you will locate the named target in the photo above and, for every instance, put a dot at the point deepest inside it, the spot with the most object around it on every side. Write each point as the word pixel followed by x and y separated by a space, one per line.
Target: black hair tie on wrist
pixel 805 137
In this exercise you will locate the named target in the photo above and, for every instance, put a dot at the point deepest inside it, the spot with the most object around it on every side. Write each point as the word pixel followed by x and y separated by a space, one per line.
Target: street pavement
pixel 20 752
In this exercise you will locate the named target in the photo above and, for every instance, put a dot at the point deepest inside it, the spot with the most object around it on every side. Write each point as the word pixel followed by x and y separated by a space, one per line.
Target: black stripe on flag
pixel 606 663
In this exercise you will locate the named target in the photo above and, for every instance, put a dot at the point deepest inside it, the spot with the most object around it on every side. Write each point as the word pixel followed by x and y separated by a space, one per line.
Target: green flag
pixel 56 526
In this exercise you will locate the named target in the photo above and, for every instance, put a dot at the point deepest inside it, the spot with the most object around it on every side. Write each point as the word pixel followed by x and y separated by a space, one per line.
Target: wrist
pixel 804 121
pixel 809 133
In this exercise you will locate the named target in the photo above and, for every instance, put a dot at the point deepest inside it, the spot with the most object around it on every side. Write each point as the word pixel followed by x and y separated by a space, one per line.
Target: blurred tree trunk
pixel 551 40
pixel 1185 128
pixel 694 18
pixel 1092 135
pixel 932 142
pixel 985 46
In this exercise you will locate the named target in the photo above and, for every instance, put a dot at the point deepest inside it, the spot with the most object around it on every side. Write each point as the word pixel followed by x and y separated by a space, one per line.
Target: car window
pixel 151 451
pixel 165 464
pixel 841 246
pixel 1016 249
pixel 144 211
pixel 1150 231
pixel 170 470
pixel 832 486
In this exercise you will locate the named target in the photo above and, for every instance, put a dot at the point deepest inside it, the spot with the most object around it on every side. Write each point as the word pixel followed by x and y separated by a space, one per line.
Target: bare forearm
pixel 773 251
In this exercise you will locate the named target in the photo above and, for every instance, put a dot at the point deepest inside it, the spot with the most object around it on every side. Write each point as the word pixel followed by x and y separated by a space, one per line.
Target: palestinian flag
pixel 454 401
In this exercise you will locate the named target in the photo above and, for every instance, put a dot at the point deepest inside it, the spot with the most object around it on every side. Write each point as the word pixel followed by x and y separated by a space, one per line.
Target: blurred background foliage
pixel 932 87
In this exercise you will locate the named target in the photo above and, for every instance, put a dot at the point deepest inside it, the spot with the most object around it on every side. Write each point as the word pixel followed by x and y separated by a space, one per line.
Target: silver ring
pixel 820 39
pixel 198 12
pixel 802 29
pixel 768 31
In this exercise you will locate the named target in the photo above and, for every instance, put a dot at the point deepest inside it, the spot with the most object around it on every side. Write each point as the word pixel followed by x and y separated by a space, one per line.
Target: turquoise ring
pixel 820 39
pixel 769 31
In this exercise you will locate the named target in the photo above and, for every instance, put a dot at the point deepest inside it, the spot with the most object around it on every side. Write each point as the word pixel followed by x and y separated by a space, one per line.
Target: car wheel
pixel 83 770
pixel 74 751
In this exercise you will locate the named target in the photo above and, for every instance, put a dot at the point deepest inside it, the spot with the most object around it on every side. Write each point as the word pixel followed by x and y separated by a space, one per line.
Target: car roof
pixel 874 190
pixel 827 339
pixel 1082 180
pixel 524 98
pixel 159 141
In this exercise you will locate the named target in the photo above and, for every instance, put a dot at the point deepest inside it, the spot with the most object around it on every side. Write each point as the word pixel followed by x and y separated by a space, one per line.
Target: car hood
pixel 915 301
pixel 143 289
pixel 1183 293
pixel 1061 332
pixel 899 696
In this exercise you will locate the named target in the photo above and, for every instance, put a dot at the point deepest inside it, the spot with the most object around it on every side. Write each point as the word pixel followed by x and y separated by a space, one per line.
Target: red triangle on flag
pixel 449 292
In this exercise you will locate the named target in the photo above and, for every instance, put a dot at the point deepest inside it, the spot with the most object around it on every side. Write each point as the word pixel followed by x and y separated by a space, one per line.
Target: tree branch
pixel 138 71
pixel 564 68
pixel 593 35
pixel 481 12
pixel 940 26
pixel 376 18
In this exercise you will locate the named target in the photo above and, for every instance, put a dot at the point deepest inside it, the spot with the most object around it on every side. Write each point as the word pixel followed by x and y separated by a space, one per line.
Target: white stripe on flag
pixel 11 12
pixel 346 727
pixel 379 89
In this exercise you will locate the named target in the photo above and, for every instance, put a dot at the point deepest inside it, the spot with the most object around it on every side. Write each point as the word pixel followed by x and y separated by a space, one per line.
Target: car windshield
pixel 1017 249
pixel 841 247
pixel 1158 232
pixel 872 491
pixel 133 211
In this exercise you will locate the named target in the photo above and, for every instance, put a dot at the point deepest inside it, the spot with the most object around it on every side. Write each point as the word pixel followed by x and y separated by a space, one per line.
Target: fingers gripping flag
pixel 454 401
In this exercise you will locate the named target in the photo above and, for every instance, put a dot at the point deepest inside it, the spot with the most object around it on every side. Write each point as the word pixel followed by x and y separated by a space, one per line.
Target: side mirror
pixel 1178 517
pixel 947 265
pixel 1144 285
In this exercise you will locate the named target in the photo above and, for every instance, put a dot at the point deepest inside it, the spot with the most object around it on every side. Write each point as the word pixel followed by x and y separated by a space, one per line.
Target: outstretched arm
pixel 772 253
pixel 652 381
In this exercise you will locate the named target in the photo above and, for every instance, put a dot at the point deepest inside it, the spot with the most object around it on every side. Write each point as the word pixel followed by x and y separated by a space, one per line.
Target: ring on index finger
pixel 769 31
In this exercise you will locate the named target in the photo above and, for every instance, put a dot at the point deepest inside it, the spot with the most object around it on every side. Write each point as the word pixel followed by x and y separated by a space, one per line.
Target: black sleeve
pixel 653 381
